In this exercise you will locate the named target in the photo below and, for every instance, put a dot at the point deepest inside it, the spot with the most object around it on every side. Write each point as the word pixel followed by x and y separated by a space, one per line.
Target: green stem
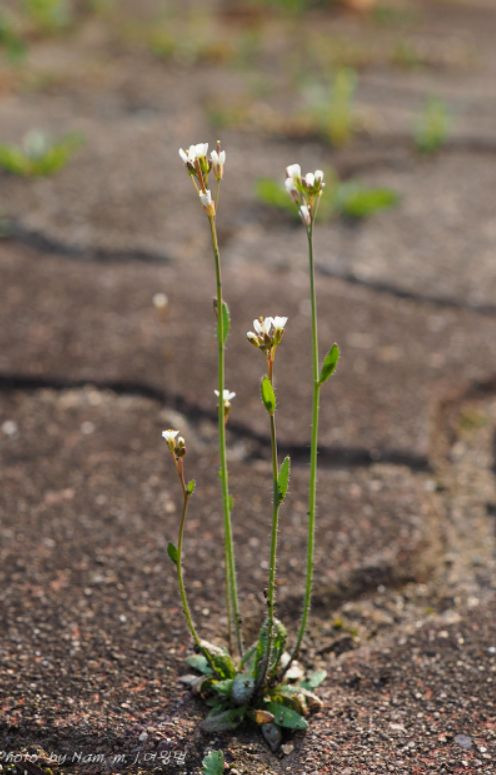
pixel 180 579
pixel 312 492
pixel 231 583
pixel 271 589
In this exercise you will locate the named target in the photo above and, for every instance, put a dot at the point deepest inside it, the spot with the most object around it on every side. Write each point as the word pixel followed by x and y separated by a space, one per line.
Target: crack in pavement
pixel 15 231
pixel 330 456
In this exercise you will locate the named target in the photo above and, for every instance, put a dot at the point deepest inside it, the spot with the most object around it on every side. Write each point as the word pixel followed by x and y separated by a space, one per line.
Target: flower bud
pixel 305 215
pixel 207 202
pixel 218 159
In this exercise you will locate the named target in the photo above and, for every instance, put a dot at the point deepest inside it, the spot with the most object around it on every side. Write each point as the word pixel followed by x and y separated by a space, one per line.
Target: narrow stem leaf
pixel 329 364
pixel 268 395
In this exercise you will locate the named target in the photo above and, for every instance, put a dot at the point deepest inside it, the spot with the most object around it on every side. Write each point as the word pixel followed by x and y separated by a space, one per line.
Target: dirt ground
pixel 93 642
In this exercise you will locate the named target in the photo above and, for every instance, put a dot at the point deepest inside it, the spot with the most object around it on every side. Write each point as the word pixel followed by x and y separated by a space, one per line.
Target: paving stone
pixel 84 320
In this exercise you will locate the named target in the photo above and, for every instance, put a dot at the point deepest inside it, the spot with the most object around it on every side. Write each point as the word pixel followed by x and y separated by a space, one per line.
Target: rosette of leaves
pixel 278 706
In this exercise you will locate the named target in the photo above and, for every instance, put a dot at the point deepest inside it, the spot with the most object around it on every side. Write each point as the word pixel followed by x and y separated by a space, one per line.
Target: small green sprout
pixel 49 16
pixel 333 107
pixel 37 155
pixel 10 41
pixel 433 126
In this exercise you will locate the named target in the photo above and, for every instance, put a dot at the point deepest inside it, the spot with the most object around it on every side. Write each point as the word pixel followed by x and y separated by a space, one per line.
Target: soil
pixel 93 642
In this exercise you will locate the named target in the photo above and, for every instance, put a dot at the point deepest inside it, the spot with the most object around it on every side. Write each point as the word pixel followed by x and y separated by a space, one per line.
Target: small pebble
pixel 9 428
pixel 464 741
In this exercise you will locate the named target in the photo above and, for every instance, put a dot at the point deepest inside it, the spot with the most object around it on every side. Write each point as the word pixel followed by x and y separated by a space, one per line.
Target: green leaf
pixel 314 679
pixel 172 552
pixel 223 687
pixel 223 721
pixel 213 763
pixel 278 643
pixel 286 717
pixel 357 201
pixel 248 659
pixel 283 478
pixel 268 395
pixel 273 194
pixel 226 321
pixel 223 665
pixel 330 363
pixel 199 662
pixel 190 487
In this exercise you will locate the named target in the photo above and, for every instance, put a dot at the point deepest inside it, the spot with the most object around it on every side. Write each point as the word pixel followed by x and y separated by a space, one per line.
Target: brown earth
pixel 93 642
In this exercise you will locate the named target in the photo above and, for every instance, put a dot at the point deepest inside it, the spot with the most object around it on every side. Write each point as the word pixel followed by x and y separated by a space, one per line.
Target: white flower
pixel 262 327
pixel 218 159
pixel 227 395
pixel 310 179
pixel 170 435
pixel 319 176
pixel 193 153
pixel 305 215
pixel 293 171
pixel 290 186
pixel 268 332
pixel 279 323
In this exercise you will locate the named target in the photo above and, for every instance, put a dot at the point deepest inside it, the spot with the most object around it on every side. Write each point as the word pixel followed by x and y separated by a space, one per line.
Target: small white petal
pixel 183 155
pixel 267 325
pixel 293 171
pixel 310 179
pixel 319 176
pixel 169 435
pixel 305 215
pixel 279 322
pixel 214 156
pixel 257 326
pixel 222 157
pixel 289 185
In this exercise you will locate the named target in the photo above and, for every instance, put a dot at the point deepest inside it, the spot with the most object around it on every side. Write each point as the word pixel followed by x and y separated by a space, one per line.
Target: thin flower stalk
pixel 306 192
pixel 314 441
pixel 177 448
pixel 199 167
pixel 267 337
pixel 233 611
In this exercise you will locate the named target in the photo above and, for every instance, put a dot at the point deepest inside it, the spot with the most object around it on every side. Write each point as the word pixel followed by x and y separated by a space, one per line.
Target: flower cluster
pixel 305 191
pixel 199 165
pixel 268 333
pixel 175 442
